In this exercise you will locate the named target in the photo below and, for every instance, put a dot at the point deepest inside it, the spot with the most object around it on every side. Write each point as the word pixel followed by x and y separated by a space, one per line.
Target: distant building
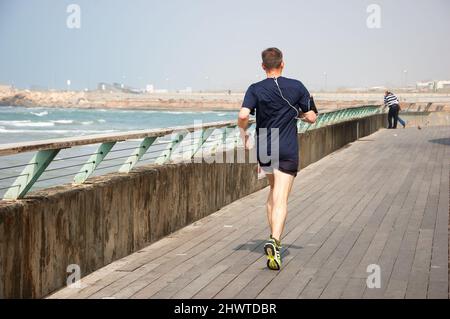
pixel 425 86
pixel 377 89
pixel 186 90
pixel 443 85
pixel 117 87
pixel 106 87
pixel 150 88
pixel 435 86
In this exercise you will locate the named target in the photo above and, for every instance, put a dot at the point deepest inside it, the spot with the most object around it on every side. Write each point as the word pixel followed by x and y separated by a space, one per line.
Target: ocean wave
pixel 27 123
pixel 35 124
pixel 150 111
pixel 177 112
pixel 9 131
pixel 62 121
pixel 101 120
pixel 87 122
pixel 93 131
pixel 40 113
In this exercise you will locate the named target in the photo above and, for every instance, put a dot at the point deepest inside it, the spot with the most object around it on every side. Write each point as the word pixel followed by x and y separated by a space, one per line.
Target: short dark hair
pixel 272 58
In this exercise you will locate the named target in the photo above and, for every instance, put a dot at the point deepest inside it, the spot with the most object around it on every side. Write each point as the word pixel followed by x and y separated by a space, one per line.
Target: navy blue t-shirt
pixel 272 111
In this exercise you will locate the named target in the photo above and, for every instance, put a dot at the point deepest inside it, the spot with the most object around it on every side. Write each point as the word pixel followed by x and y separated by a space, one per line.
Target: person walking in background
pixel 401 121
pixel 391 101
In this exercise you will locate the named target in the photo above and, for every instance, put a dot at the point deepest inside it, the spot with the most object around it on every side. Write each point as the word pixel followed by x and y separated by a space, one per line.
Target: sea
pixel 23 124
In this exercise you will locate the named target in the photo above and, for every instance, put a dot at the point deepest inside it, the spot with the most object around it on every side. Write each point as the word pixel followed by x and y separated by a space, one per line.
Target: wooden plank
pixel 418 282
pixel 229 258
pixel 389 237
pixel 195 286
pixel 261 277
pixel 377 243
pixel 344 213
pixel 87 281
pixel 400 261
pixel 333 262
pixel 390 252
pixel 438 281
pixel 213 287
pixel 418 278
pixel 123 282
pixel 243 263
pixel 184 259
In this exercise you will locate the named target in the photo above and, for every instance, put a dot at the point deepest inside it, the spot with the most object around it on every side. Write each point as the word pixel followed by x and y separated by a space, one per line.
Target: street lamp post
pixel 207 83
pixel 405 78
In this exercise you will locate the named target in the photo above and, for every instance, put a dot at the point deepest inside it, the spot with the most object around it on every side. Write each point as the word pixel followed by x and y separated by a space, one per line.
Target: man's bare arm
pixel 243 118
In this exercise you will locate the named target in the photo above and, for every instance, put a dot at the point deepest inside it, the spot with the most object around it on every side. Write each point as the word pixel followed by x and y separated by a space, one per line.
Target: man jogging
pixel 391 101
pixel 279 102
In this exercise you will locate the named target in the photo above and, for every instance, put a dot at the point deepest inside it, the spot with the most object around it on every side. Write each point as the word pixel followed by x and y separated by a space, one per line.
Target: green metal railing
pixel 163 146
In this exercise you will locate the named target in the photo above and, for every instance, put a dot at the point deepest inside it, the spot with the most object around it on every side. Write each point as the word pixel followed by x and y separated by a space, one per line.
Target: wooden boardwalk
pixel 382 200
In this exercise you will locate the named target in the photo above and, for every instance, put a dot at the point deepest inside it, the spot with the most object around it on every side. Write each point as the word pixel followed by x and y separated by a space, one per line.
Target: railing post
pixel 330 118
pixel 302 126
pixel 30 174
pixel 319 120
pixel 137 154
pixel 344 114
pixel 357 130
pixel 206 133
pixel 92 163
pixel 175 142
pixel 351 114
pixel 223 141
pixel 338 116
pixel 232 133
pixel 327 118
pixel 237 134
pixel 361 112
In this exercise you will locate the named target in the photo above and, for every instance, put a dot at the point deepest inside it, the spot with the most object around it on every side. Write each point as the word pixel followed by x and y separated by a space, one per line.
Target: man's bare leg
pixel 269 203
pixel 282 187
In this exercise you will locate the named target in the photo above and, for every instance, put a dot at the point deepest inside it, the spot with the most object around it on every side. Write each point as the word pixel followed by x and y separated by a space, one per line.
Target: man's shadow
pixel 444 141
pixel 258 244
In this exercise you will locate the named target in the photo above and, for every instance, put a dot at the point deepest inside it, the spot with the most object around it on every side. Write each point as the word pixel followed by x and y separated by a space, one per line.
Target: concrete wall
pixel 114 215
pixel 315 144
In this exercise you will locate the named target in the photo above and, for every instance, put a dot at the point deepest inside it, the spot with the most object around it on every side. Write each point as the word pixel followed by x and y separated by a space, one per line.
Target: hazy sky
pixel 208 44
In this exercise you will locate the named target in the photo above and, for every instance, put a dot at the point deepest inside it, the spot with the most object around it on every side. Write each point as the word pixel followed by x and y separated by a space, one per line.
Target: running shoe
pixel 272 249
